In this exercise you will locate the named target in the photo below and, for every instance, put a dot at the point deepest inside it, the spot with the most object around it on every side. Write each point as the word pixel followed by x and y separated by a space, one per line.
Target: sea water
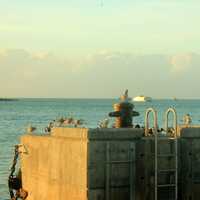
pixel 16 116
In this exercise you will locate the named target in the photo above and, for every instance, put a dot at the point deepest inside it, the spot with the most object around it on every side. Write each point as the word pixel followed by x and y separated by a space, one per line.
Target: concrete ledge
pixel 98 133
pixel 190 132
pixel 75 133
pixel 115 133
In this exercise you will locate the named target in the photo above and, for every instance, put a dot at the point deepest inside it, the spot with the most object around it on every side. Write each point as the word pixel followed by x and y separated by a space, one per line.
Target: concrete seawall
pixel 106 164
pixel 70 164
pixel 54 167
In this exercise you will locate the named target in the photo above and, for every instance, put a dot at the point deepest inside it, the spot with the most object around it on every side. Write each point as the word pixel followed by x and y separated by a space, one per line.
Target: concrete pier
pixel 107 164
pixel 76 163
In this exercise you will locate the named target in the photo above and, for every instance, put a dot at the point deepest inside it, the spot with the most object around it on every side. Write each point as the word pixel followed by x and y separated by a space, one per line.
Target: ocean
pixel 15 116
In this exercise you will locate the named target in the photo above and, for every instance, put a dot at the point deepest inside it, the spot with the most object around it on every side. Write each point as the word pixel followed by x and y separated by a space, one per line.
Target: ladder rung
pixel 167 185
pixel 166 170
pixel 166 155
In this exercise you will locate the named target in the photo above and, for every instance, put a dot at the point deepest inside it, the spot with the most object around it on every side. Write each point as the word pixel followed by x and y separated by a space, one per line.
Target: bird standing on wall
pixel 187 119
pixel 104 123
pixel 31 129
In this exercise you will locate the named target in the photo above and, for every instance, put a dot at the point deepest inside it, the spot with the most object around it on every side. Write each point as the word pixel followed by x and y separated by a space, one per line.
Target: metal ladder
pixel 175 154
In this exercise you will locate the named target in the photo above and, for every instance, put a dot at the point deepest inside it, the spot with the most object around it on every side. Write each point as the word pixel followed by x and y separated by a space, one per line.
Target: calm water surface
pixel 15 116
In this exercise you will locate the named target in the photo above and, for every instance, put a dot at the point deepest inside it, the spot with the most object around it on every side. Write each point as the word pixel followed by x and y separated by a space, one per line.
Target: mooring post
pixel 124 113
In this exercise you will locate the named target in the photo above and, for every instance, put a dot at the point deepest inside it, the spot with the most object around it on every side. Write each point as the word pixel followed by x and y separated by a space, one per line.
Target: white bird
pixel 104 123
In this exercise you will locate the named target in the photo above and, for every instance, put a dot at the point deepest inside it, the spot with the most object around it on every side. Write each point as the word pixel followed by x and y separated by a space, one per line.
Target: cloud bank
pixel 104 74
pixel 182 62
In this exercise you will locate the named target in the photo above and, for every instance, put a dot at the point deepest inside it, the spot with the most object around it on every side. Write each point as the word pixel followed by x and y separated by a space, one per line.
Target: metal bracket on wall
pixel 22 149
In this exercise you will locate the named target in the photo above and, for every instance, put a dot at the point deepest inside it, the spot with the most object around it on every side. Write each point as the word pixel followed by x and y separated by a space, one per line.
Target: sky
pixel 99 48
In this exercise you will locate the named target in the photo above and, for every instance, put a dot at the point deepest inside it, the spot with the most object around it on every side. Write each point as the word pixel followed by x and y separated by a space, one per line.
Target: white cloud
pixel 103 74
pixel 181 62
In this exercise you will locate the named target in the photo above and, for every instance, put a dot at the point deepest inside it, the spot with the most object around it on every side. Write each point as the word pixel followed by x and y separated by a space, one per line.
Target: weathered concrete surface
pixel 107 164
pixel 145 168
pixel 189 132
pixel 190 163
pixel 76 164
pixel 98 133
pixel 54 168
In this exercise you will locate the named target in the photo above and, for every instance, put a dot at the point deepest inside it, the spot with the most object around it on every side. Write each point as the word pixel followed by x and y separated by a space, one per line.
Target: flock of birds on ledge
pixel 67 122
pixel 61 122
pixel 71 122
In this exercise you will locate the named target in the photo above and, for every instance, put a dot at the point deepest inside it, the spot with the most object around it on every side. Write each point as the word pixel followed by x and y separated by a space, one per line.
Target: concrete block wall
pixel 107 164
pixel 111 156
pixel 190 163
pixel 80 164
pixel 145 169
pixel 54 168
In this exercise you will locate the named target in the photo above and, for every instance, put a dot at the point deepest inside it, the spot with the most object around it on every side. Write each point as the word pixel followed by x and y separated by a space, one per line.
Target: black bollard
pixel 124 112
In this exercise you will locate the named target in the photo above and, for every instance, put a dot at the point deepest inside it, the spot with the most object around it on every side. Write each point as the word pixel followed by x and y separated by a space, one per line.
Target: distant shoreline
pixel 8 99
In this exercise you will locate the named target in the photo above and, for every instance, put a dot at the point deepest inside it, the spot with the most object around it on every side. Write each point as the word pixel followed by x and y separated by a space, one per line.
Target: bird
pixel 68 121
pixel 187 119
pixel 31 129
pixel 104 123
pixel 77 122
pixel 125 96
pixel 49 127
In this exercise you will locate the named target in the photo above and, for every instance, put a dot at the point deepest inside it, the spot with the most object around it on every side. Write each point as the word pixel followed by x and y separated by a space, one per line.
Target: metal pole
pixel 156 164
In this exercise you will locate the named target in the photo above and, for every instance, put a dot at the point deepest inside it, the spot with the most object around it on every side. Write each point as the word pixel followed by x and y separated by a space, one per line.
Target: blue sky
pixel 68 35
